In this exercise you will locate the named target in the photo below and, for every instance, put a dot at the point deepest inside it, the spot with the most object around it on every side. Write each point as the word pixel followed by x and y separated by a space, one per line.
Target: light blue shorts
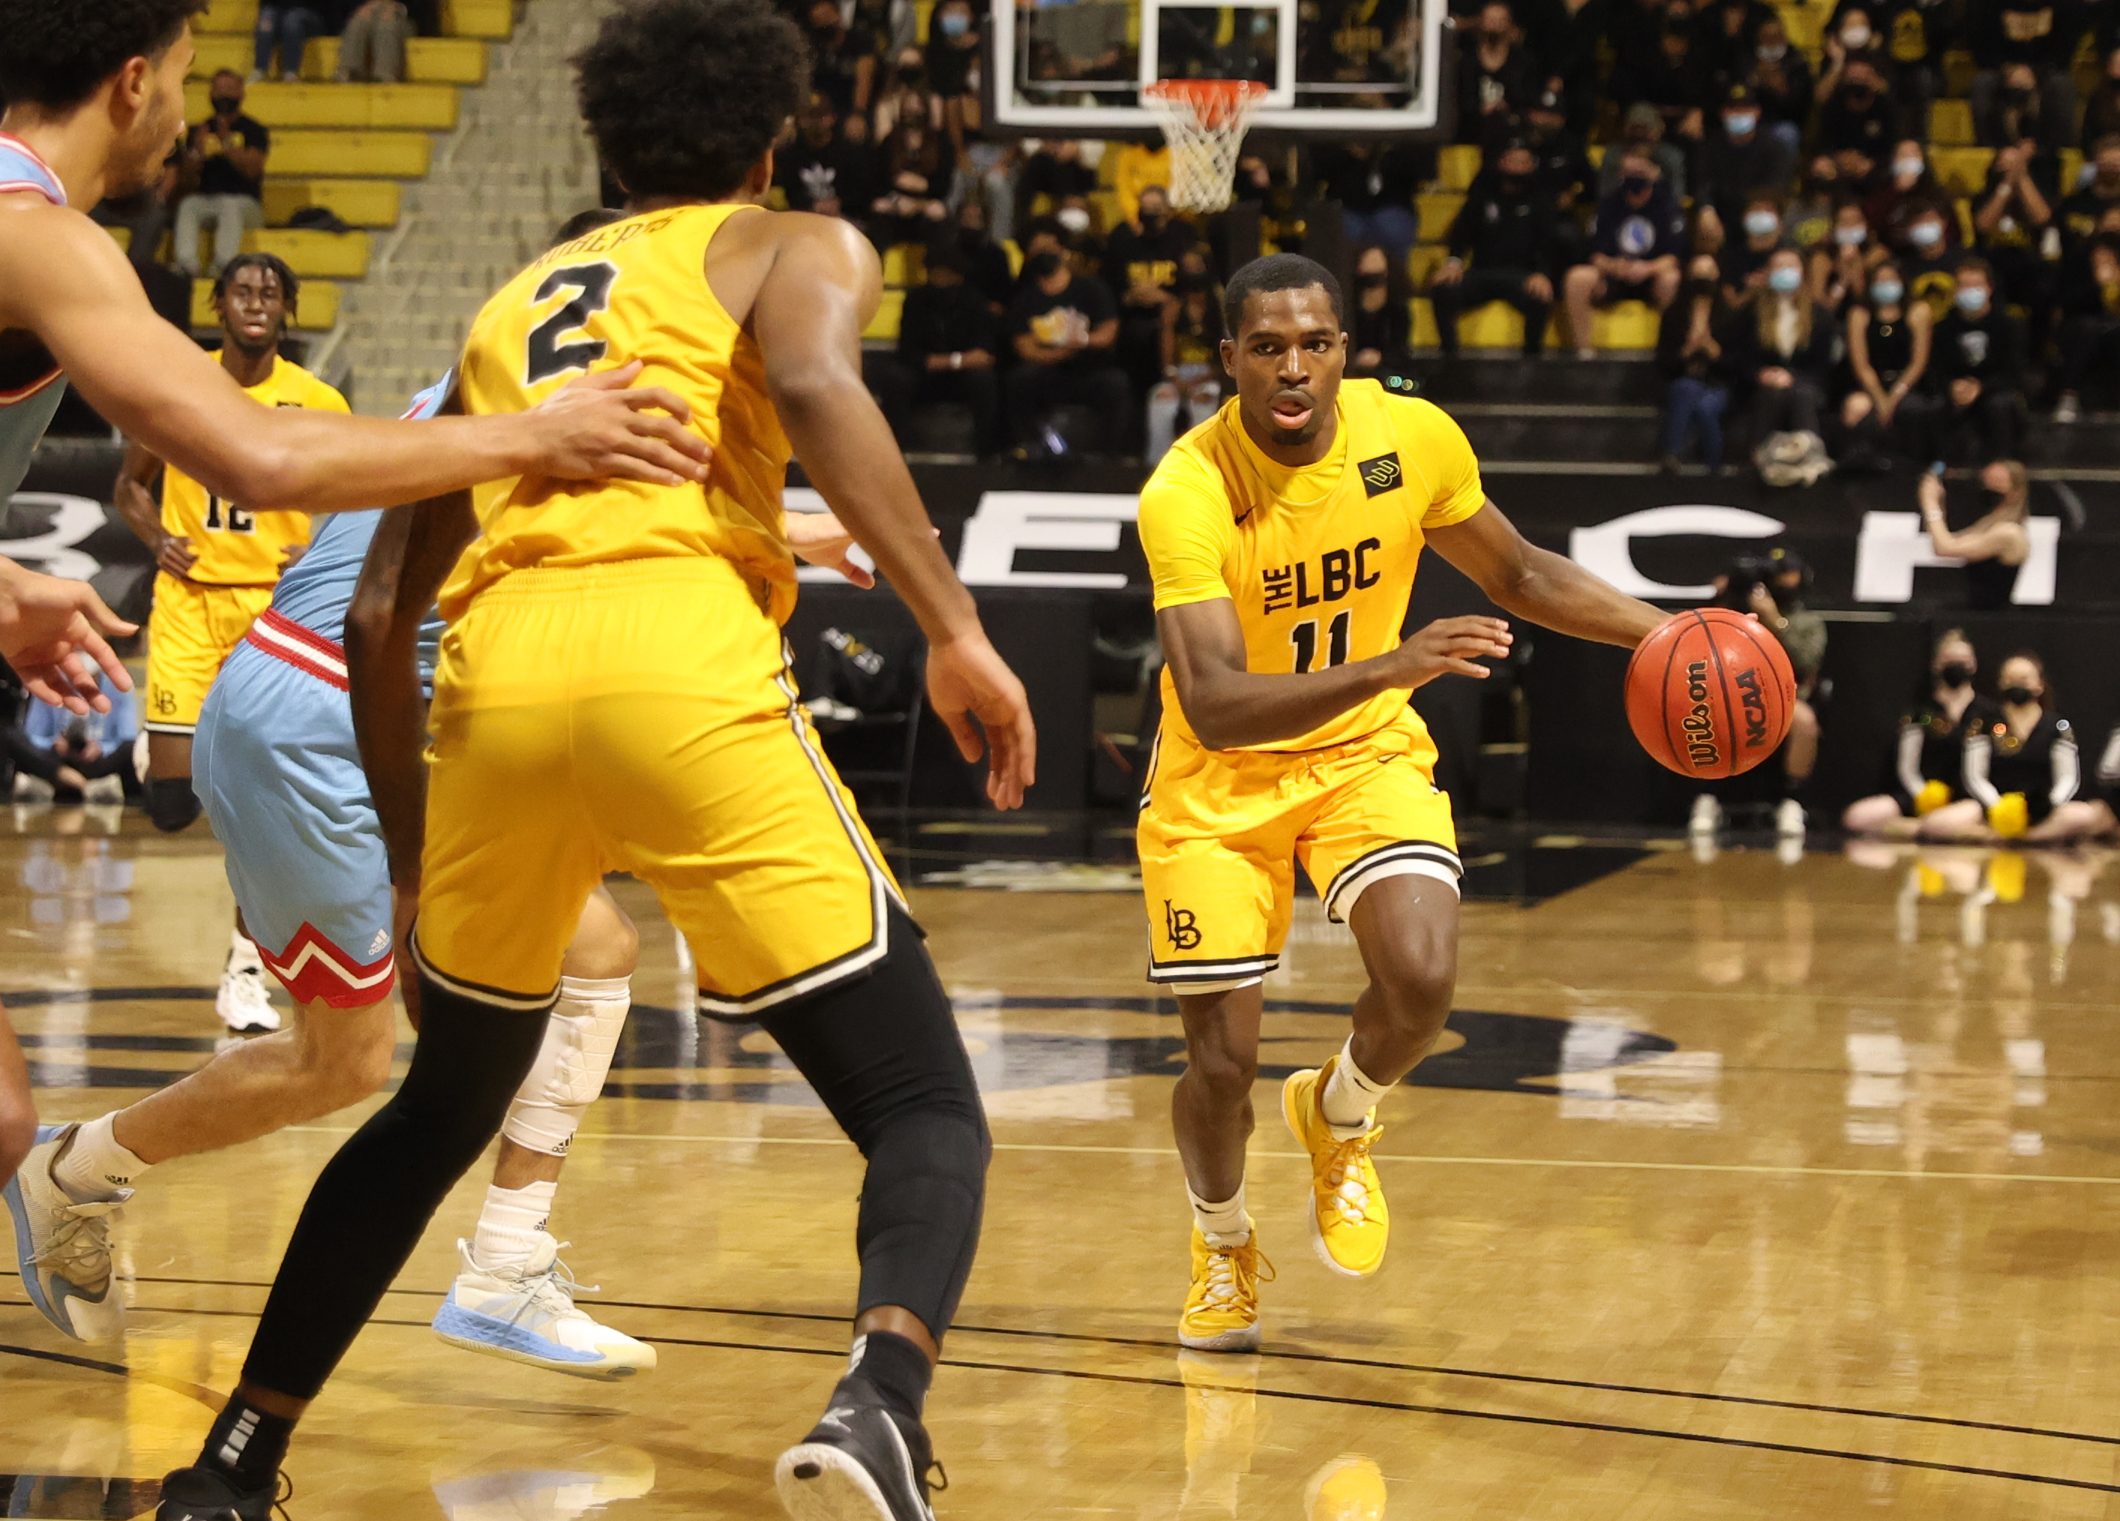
pixel 275 766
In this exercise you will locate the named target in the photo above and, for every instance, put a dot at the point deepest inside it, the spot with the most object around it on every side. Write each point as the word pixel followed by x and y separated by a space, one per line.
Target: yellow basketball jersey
pixel 635 289
pixel 1320 559
pixel 236 545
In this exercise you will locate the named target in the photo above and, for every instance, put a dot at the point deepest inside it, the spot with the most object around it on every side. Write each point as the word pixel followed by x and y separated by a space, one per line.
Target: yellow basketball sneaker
pixel 1222 1311
pixel 1348 1220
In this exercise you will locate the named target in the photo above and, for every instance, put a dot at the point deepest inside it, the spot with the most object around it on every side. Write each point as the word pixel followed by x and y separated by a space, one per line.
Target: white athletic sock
pixel 243 954
pixel 511 1222
pixel 95 1166
pixel 1349 1095
pixel 1222 1224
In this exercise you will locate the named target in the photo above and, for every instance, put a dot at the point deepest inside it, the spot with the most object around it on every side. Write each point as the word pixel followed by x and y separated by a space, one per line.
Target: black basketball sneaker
pixel 859 1463
pixel 207 1494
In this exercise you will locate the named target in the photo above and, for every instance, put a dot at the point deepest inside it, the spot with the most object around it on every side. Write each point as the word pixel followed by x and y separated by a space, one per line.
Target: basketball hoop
pixel 1203 120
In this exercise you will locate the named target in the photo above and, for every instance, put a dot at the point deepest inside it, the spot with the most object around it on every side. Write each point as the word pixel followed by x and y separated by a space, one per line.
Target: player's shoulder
pixel 1192 469
pixel 306 388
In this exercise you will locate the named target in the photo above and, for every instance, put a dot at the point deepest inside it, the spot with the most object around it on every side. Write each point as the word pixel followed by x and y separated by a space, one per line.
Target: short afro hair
pixel 54 54
pixel 684 97
pixel 272 264
pixel 1282 271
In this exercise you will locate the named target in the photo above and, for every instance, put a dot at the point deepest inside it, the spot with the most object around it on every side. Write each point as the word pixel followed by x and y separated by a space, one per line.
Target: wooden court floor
pixel 1738 1189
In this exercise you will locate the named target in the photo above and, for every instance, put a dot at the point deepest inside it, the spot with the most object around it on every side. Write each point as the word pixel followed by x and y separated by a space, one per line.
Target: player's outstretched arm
pixel 1540 586
pixel 61 277
pixel 1230 706
pixel 821 291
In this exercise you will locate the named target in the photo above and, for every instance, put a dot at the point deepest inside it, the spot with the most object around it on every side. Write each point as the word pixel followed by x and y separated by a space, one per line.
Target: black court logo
pixel 1381 474
pixel 1182 928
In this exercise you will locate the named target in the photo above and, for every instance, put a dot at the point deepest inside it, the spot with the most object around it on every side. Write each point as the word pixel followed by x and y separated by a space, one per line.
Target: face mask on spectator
pixel 1955 674
pixel 226 105
pixel 1855 37
pixel 1635 184
pixel 1972 300
pixel 1887 292
pixel 1906 170
pixel 1925 234
pixel 1784 282
pixel 956 24
pixel 1759 224
pixel 1376 280
pixel 1851 237
pixel 1738 123
pixel 1073 218
pixel 1773 53
pixel 2020 696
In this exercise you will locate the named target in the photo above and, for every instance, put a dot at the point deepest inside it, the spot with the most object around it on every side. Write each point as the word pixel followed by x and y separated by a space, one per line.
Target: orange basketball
pixel 1710 693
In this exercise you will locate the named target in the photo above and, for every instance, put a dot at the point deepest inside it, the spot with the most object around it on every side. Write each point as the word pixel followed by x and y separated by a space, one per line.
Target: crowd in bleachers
pixel 1853 232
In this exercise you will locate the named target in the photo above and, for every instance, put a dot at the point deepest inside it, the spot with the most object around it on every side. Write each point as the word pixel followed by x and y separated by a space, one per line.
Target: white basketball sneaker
pixel 64 1247
pixel 526 1312
pixel 244 1002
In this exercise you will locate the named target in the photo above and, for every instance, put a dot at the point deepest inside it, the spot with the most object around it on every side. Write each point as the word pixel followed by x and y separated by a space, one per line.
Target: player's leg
pixel 512 1297
pixel 2070 823
pixel 1799 759
pixel 18 1110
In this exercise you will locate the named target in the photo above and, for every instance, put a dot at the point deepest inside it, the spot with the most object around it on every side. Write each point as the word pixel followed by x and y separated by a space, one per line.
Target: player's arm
pixel 1538 585
pixel 1230 706
pixel 63 278
pixel 134 497
pixel 824 285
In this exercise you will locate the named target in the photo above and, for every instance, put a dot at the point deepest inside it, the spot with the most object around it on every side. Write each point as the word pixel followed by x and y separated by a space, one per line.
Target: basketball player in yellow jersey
pixel 612 695
pixel 1282 536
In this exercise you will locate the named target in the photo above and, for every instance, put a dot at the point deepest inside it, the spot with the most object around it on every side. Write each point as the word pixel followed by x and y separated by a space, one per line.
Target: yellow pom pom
pixel 2005 876
pixel 1932 796
pixel 2010 817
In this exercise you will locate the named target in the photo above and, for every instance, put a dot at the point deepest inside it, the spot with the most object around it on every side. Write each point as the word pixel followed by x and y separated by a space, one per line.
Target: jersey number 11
pixel 1305 638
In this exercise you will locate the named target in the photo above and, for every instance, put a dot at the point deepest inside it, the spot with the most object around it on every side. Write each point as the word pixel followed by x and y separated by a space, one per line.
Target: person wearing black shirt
pixel 1980 366
pixel 2023 773
pixel 1141 260
pixel 1781 79
pixel 1495 78
pixel 2090 327
pixel 2101 113
pixel 947 340
pixel 1995 547
pixel 1782 350
pixel 1379 323
pixel 1056 173
pixel 2039 33
pixel 1375 184
pixel 1724 36
pixel 1889 342
pixel 843 58
pixel 1689 352
pixel 1063 329
pixel 1636 247
pixel 225 155
pixel 986 267
pixel 819 171
pixel 2083 208
pixel 1562 36
pixel 2011 218
pixel 1858 121
pixel 1673 80
pixel 1499 247
pixel 1739 158
pixel 1564 176
pixel 1928 763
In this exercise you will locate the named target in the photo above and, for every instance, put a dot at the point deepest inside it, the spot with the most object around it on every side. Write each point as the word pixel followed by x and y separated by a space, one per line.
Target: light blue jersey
pixel 30 384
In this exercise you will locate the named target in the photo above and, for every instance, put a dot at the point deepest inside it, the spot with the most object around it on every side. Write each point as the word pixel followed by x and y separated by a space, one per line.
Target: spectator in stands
pixel 2090 326
pixel 69 754
pixel 2023 775
pixel 1380 322
pixel 1141 261
pixel 145 217
pixel 2085 207
pixel 1496 76
pixel 953 50
pixel 284 28
pixel 1054 172
pixel 1912 34
pixel 1643 127
pixel 2101 113
pixel 911 207
pixel 1690 355
pixel 1375 184
pixel 1998 543
pixel 1782 82
pixel 1905 193
pixel 1725 34
pixel 907 97
pixel 224 160
pixel 1133 167
pixel 1637 243
pixel 1063 328
pixel 1191 387
pixel 1858 121
pixel 2041 35
pixel 893 23
pixel 2013 223
pixel 1562 36
pixel 1928 769
pixel 1808 218
pixel 1501 247
pixel 820 171
pixel 1738 160
pixel 948 339
pixel 986 267
pixel 1844 266
pixel 843 58
pixel 372 47
pixel 1742 265
pixel 1633 31
pixel 1673 80
pixel 1782 351
pixel 1889 343
pixel 2016 111
pixel 1980 356
pixel 1564 175
pixel 1929 263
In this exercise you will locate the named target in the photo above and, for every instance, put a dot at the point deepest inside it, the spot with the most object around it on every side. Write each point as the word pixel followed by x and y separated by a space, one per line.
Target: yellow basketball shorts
pixel 192 631
pixel 640 718
pixel 1221 832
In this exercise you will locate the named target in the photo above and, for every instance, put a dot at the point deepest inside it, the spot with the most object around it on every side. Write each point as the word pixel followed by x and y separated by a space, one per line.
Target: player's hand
pixel 820 539
pixel 1930 494
pixel 175 554
pixel 967 680
pixel 604 427
pixel 53 633
pixel 1452 647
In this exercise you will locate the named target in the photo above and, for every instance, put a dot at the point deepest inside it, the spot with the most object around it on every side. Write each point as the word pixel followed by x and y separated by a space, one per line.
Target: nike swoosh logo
pixel 1248 512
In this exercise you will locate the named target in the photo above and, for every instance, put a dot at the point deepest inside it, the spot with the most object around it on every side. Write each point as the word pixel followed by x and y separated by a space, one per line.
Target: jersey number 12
pixel 547 356
pixel 1305 638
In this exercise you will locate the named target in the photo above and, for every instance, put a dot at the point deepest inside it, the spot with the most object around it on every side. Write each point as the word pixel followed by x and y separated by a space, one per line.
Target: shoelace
pixel 935 1478
pixel 91 1258
pixel 555 1290
pixel 1234 1273
pixel 1350 1196
pixel 283 1492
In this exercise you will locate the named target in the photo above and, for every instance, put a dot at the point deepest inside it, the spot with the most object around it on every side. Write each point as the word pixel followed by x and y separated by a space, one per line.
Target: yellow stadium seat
pixel 1424 328
pixel 1437 212
pixel 479 18
pixel 1958 71
pixel 353 155
pixel 884 329
pixel 1423 262
pixel 1963 170
pixel 357 203
pixel 1806 26
pixel 1455 167
pixel 904 264
pixel 228 16
pixel 315 255
pixel 428 60
pixel 1629 327
pixel 1951 124
pixel 318 311
pixel 413 107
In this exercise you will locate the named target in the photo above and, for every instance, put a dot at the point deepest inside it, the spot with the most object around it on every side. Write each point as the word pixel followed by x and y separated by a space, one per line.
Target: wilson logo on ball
pixel 1710 693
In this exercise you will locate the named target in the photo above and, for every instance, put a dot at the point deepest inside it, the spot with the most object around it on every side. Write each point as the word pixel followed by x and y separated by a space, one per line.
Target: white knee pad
pixel 580 1038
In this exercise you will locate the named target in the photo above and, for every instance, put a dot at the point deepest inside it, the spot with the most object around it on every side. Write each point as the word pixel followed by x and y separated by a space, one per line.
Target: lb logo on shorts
pixel 1381 474
pixel 1181 927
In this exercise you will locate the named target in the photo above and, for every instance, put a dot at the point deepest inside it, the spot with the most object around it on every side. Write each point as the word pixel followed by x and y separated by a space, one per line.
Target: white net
pixel 1203 120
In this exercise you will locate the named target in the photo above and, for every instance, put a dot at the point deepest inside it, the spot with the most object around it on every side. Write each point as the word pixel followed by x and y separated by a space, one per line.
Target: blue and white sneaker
pixel 526 1313
pixel 64 1247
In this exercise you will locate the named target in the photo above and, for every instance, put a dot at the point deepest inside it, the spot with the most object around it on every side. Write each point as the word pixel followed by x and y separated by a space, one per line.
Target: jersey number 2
pixel 591 284
pixel 1305 637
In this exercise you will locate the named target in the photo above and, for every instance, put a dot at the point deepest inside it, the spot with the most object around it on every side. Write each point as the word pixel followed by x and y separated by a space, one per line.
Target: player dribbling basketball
pixel 1282 537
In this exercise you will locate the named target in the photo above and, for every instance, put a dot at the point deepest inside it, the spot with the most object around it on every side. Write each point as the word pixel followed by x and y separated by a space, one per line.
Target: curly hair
pixel 58 52
pixel 684 97
pixel 272 264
